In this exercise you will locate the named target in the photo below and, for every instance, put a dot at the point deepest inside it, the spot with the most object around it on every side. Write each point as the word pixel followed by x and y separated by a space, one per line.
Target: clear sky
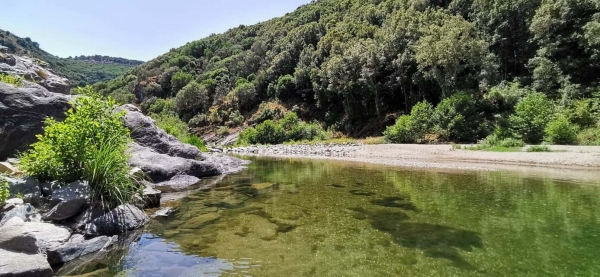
pixel 133 29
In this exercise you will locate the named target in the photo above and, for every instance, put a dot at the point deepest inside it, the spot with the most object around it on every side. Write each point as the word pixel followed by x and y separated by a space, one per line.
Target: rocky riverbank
pixel 46 225
pixel 327 150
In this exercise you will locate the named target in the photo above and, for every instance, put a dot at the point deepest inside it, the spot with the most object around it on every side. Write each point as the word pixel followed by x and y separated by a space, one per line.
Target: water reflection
pixel 314 218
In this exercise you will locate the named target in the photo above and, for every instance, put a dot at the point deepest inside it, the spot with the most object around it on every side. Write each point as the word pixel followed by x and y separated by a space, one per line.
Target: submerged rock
pixel 178 182
pixel 23 265
pixel 119 220
pixel 23 111
pixel 164 212
pixel 78 247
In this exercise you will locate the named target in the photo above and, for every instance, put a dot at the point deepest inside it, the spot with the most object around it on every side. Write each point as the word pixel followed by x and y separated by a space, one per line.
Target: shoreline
pixel 567 162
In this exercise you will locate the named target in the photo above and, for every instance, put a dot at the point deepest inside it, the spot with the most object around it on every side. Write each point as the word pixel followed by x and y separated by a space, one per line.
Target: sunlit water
pixel 318 218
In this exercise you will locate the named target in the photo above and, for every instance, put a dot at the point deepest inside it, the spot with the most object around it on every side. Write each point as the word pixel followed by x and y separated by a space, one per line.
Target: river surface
pixel 285 217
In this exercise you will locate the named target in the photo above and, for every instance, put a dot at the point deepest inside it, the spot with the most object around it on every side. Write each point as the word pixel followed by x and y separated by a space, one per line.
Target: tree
pixel 448 48
pixel 191 100
pixel 180 80
pixel 457 119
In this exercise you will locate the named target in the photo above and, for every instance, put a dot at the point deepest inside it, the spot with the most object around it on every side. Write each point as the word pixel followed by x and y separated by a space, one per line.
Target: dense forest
pixel 354 66
pixel 81 70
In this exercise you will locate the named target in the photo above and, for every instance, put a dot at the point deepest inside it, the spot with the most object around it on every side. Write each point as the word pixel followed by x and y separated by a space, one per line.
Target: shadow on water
pixel 436 241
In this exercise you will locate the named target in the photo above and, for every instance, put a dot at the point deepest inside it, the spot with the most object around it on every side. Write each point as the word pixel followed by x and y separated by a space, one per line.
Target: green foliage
pixel 191 99
pixel 456 118
pixel 171 124
pixel 243 94
pixel 413 127
pixel 289 128
pixel 584 113
pixel 180 80
pixel 538 148
pixel 89 144
pixel 532 114
pixel 223 131
pixel 561 131
pixel 4 193
pixel 589 136
pixel 11 79
pixel 237 118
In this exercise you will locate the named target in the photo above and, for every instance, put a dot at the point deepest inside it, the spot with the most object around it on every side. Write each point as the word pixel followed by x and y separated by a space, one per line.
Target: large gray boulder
pixel 69 201
pixel 24 265
pixel 78 247
pixel 18 236
pixel 22 114
pixel 119 220
pixel 145 132
pixel 162 167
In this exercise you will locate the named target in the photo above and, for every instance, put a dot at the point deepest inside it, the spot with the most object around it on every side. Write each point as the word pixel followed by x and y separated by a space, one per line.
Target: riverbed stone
pixel 164 212
pixel 201 221
pixel 77 247
pixel 22 186
pixel 69 201
pixel 23 265
pixel 119 220
pixel 7 168
pixel 151 197
pixel 25 212
pixel 32 237
pixel 178 182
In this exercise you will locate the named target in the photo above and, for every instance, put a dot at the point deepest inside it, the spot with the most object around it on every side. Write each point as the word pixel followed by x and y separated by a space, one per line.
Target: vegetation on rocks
pixel 90 144
pixel 171 124
pixel 11 79
pixel 4 193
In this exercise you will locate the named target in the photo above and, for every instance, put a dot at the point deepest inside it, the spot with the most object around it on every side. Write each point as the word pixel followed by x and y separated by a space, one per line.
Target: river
pixel 286 217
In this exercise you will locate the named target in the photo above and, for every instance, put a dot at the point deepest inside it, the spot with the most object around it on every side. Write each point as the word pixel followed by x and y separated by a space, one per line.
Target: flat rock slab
pixel 25 212
pixel 23 265
pixel 18 236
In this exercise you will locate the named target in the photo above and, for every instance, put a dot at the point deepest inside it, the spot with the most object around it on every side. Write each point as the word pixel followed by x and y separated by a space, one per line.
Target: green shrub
pixel 174 126
pixel 532 114
pixel 413 127
pixel 11 79
pixel 223 131
pixel 4 193
pixel 266 112
pixel 589 136
pixel 290 128
pixel 456 118
pixel 191 99
pixel 180 80
pixel 237 118
pixel 584 113
pixel 561 131
pixel 196 141
pixel 538 148
pixel 199 120
pixel 494 141
pixel 90 144
pixel 108 174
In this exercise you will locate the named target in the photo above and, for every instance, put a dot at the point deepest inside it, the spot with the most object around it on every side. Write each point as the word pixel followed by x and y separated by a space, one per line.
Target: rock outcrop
pixel 34 70
pixel 119 220
pixel 22 114
pixel 78 247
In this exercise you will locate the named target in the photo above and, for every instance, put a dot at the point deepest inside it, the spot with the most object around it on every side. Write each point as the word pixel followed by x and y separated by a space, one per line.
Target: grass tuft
pixel 11 79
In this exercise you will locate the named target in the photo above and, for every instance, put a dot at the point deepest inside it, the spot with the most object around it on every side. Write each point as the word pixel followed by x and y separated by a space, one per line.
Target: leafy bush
pixel 11 79
pixel 584 113
pixel 4 193
pixel 290 128
pixel 243 94
pixel 538 148
pixel 267 111
pixel 413 127
pixel 456 118
pixel 494 141
pixel 532 114
pixel 223 131
pixel 174 126
pixel 180 80
pixel 89 144
pixel 589 136
pixel 191 99
pixel 199 120
pixel 561 131
pixel 237 118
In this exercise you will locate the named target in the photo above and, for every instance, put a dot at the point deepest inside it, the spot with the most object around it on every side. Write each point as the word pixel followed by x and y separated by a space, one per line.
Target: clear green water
pixel 319 218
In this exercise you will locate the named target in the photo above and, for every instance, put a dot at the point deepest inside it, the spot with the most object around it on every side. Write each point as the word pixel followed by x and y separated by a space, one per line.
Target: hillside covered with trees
pixel 82 70
pixel 470 68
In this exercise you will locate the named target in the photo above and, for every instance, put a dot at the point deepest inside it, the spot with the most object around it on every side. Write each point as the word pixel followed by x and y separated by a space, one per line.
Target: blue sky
pixel 134 29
